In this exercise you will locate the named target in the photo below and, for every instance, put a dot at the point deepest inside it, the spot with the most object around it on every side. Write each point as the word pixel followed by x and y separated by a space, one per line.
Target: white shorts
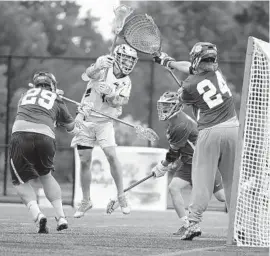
pixel 101 134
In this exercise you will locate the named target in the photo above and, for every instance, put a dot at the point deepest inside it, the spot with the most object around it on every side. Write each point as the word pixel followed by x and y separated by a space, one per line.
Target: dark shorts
pixel 184 173
pixel 31 156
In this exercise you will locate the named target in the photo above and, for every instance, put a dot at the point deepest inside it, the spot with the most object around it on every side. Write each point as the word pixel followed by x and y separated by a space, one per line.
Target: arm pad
pixel 172 155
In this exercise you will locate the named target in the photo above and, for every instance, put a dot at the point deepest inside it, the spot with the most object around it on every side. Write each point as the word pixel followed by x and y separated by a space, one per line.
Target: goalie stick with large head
pixel 141 33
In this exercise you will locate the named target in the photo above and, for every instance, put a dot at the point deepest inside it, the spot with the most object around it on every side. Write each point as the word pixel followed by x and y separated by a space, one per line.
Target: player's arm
pixel 103 62
pixel 119 97
pixel 65 119
pixel 169 62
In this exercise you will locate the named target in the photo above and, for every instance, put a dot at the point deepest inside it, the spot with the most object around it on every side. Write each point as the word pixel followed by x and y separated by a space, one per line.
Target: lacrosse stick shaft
pixel 174 77
pixel 98 112
pixel 139 182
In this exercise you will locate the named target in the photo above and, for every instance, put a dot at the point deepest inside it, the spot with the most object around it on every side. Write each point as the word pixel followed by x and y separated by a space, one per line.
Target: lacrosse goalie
pixel 182 134
pixel 108 97
pixel 32 147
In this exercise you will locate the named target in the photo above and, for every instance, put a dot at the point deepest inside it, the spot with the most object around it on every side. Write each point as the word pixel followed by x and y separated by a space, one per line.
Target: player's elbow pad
pixel 117 101
pixel 172 155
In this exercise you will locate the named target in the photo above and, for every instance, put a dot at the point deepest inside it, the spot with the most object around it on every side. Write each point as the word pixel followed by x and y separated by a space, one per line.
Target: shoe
pixel 41 223
pixel 84 206
pixel 61 223
pixel 124 204
pixel 181 230
pixel 191 231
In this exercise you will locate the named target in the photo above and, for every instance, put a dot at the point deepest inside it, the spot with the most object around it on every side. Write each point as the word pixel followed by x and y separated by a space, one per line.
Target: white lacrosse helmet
pixel 168 105
pixel 125 57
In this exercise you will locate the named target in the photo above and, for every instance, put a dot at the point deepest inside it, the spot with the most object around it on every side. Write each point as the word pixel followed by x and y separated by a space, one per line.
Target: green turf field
pixel 138 234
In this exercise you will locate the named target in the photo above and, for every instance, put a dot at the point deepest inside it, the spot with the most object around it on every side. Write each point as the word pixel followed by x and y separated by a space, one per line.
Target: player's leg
pixel 204 167
pixel 53 193
pixel 175 187
pixel 226 163
pixel 85 154
pixel 45 150
pixel 106 138
pixel 85 142
pixel 218 188
pixel 22 157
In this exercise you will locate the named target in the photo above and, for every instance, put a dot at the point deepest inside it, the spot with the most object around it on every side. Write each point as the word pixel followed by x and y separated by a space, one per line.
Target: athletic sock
pixel 184 221
pixel 58 207
pixel 33 209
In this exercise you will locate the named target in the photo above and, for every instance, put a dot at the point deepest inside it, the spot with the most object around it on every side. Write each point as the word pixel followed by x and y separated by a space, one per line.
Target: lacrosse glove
pixel 159 170
pixel 85 109
pixel 163 59
pixel 105 61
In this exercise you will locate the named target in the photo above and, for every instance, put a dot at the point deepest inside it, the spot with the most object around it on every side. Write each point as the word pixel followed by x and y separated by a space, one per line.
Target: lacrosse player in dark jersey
pixel 207 91
pixel 182 134
pixel 32 146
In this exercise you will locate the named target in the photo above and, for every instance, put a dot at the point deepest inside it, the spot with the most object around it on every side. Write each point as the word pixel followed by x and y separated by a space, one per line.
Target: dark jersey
pixel 43 107
pixel 182 136
pixel 209 93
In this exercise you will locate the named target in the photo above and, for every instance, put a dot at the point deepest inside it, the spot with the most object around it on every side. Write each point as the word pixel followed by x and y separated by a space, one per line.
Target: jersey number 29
pixel 43 98
pixel 211 97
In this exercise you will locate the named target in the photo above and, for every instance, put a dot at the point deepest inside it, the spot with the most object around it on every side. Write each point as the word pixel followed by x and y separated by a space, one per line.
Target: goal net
pixel 251 225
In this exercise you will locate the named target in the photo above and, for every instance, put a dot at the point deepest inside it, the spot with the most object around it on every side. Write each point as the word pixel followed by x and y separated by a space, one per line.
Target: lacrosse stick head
pixel 146 133
pixel 112 206
pixel 121 14
pixel 141 33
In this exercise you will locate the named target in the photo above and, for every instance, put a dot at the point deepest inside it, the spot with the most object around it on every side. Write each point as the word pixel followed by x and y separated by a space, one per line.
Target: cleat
pixel 181 230
pixel 191 231
pixel 41 223
pixel 61 223
pixel 124 204
pixel 84 206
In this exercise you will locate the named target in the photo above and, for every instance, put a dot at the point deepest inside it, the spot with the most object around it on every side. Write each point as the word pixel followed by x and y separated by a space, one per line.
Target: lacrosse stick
pixel 121 14
pixel 141 33
pixel 114 204
pixel 144 133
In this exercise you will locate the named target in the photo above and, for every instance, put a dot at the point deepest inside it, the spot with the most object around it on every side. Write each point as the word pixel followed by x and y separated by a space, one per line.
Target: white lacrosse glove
pixel 85 110
pixel 105 61
pixel 163 59
pixel 85 77
pixel 104 88
pixel 159 170
pixel 59 92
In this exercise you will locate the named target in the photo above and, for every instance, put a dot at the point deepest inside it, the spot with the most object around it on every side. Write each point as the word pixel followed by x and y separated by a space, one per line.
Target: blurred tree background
pixel 54 29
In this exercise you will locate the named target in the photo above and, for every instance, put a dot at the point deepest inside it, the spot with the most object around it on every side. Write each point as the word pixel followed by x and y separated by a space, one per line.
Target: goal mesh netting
pixel 252 216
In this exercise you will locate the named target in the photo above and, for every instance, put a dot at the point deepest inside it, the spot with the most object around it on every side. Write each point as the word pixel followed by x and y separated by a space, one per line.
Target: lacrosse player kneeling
pixel 108 92
pixel 181 134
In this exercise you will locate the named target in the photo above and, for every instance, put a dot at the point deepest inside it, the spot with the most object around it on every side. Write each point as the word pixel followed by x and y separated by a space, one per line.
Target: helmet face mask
pixel 46 80
pixel 203 56
pixel 168 106
pixel 125 58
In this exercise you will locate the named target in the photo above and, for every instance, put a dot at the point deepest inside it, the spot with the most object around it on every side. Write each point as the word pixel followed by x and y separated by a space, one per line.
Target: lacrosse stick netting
pixel 141 33
pixel 146 133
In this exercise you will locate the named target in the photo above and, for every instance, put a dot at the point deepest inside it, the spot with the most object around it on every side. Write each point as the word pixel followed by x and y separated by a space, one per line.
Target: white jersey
pixel 122 86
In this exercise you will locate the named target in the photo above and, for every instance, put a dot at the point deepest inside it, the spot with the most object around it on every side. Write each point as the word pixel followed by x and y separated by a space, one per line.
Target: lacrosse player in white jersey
pixel 108 92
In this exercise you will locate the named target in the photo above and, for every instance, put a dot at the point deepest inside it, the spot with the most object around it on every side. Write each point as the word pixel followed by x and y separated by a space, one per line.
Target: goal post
pixel 249 218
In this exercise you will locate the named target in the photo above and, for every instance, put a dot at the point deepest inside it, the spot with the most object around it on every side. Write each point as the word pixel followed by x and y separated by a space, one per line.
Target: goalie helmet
pixel 46 80
pixel 126 58
pixel 204 56
pixel 168 105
